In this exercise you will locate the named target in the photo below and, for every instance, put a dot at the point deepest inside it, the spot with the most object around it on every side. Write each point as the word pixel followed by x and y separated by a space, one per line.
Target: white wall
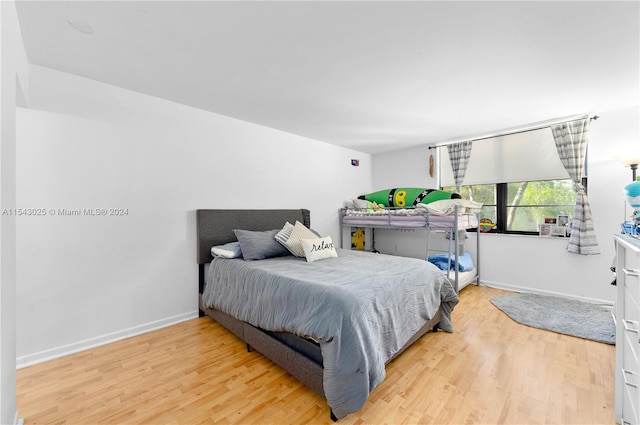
pixel 13 78
pixel 86 280
pixel 404 168
pixel 530 263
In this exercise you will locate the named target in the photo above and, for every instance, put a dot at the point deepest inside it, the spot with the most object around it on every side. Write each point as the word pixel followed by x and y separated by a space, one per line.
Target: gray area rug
pixel 565 316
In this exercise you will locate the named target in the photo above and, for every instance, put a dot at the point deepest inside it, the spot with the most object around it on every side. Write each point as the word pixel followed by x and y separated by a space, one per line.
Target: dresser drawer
pixel 631 309
pixel 631 281
pixel 629 414
pixel 632 258
pixel 630 356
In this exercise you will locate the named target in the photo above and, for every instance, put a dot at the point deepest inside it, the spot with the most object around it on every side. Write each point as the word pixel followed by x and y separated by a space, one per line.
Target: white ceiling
pixel 369 75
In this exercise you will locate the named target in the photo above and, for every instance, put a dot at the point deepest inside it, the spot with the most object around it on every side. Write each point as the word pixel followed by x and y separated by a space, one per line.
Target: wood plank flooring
pixel 491 370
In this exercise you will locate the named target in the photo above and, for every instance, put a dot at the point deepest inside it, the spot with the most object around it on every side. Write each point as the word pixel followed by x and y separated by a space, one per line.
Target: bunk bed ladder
pixel 452 252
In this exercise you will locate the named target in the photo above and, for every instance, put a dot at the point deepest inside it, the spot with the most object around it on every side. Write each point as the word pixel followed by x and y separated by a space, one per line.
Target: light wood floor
pixel 490 370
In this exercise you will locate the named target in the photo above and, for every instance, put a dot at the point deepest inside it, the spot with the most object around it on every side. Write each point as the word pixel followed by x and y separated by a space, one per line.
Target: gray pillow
pixel 257 245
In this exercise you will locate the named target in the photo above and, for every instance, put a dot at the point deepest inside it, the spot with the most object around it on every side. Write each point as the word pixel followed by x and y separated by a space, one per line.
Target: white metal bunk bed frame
pixel 453 239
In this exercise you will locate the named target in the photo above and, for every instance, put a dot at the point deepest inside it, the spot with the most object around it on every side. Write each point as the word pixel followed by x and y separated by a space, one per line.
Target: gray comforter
pixel 361 307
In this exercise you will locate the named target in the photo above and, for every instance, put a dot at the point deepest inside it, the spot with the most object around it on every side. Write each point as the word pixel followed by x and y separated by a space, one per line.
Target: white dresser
pixel 627 314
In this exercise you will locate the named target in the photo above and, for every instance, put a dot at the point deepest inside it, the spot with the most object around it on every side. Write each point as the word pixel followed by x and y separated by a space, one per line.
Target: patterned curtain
pixel 459 154
pixel 571 143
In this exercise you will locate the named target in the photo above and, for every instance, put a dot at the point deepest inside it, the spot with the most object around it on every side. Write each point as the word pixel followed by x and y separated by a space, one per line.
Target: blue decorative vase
pixel 632 192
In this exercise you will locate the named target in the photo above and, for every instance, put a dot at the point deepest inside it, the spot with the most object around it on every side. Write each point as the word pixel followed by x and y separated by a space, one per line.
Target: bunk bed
pixel 452 217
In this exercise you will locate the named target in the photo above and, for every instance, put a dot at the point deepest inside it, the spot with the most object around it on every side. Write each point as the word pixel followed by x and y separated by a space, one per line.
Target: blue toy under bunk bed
pixel 447 262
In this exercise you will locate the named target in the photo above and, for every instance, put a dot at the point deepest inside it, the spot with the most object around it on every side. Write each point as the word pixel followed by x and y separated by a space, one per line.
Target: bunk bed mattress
pixel 465 221
pixel 361 308
pixel 385 220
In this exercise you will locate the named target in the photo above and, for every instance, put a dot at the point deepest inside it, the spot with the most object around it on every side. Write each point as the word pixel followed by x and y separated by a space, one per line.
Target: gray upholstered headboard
pixel 215 227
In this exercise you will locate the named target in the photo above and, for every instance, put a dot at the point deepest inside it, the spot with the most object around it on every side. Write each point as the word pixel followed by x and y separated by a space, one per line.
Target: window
pixel 519 179
pixel 518 207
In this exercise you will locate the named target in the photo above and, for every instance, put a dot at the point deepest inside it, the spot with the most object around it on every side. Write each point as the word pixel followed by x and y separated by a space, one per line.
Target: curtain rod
pixel 516 130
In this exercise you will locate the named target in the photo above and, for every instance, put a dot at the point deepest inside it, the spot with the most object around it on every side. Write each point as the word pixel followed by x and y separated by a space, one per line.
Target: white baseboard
pixel 17 420
pixel 527 290
pixel 54 353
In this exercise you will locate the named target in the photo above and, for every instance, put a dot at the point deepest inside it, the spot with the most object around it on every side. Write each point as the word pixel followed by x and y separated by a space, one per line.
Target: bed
pixel 333 324
pixel 452 216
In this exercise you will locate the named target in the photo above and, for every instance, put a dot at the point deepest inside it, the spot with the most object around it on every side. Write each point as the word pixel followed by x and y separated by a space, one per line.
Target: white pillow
pixel 318 249
pixel 228 250
pixel 361 203
pixel 283 235
pixel 299 232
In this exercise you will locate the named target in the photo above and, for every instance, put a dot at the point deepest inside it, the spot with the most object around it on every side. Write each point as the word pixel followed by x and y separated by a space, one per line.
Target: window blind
pixel 526 156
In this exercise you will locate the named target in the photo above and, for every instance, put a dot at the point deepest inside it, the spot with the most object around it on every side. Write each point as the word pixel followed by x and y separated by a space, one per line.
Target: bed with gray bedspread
pixel 362 308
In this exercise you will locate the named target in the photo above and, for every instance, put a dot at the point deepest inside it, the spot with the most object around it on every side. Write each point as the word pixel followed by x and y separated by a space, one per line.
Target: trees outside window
pixel 519 207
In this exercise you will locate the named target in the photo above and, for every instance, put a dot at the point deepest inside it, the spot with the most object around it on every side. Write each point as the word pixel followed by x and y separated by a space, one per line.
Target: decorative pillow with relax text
pixel 318 249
